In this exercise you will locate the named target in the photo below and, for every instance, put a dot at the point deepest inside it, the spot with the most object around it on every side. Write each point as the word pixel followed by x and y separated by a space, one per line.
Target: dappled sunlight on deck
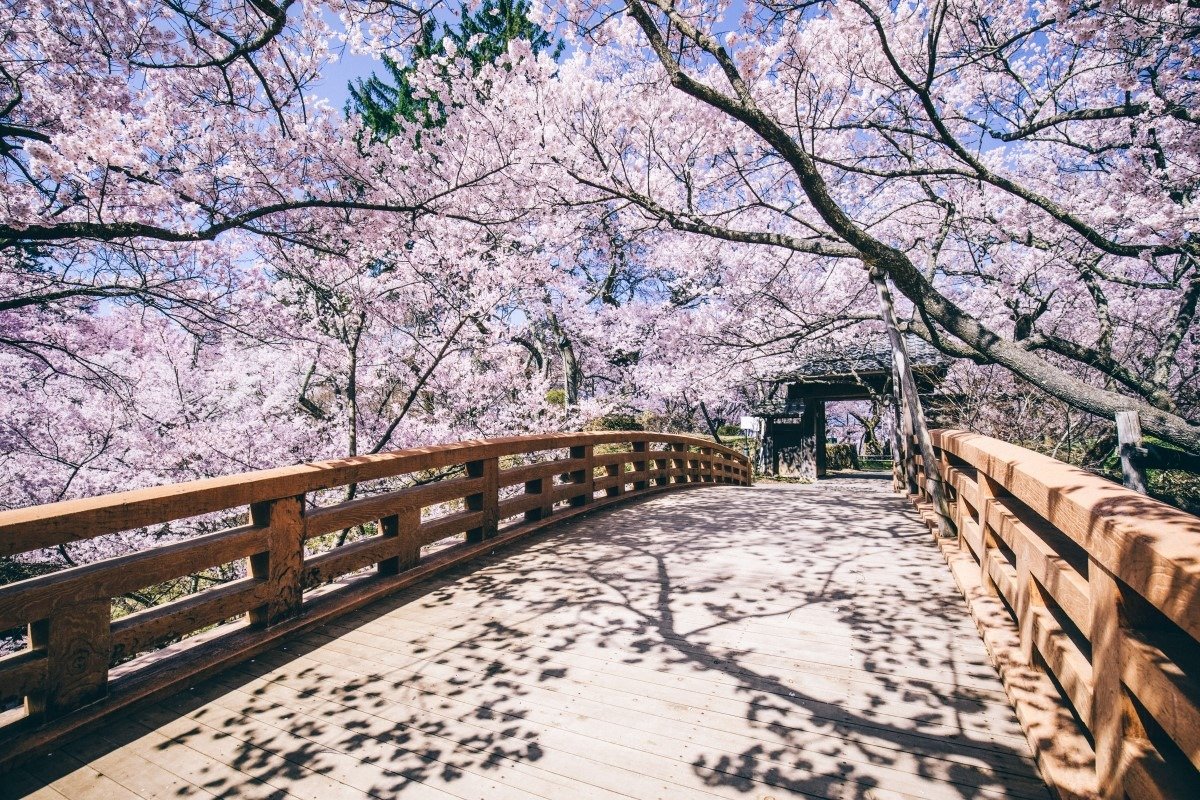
pixel 773 641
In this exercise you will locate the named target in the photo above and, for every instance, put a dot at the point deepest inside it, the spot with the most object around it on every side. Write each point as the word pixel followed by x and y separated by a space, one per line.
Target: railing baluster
pixel 488 500
pixel 281 565
pixel 1030 597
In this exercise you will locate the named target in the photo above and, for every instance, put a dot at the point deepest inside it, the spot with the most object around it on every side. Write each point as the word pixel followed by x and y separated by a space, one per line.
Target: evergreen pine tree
pixel 386 101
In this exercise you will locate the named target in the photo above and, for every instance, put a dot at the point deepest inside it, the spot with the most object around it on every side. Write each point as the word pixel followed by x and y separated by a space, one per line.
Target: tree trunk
pixel 712 429
pixel 1129 439
pixel 912 403
pixel 571 374
pixel 902 438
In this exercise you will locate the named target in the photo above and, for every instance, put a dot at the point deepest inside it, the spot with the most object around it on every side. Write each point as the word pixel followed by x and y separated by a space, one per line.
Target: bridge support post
pixel 281 565
pixel 488 500
pixel 1129 442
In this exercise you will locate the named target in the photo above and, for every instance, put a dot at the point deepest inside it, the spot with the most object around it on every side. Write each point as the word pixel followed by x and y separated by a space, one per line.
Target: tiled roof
pixel 864 356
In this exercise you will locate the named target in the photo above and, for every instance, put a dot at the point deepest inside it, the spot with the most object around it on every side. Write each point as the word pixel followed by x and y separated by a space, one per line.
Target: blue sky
pixel 334 81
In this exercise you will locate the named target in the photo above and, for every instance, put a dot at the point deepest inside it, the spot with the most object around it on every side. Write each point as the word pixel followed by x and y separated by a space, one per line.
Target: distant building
pixel 791 427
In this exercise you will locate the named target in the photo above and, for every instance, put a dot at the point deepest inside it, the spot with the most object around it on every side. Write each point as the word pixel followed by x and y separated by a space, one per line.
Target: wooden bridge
pixel 552 619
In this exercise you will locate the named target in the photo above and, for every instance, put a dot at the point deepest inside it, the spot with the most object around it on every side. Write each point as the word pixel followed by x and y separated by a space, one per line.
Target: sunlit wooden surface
pixel 764 642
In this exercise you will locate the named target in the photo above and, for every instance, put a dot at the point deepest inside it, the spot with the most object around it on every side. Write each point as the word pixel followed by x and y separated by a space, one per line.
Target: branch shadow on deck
pixel 731 642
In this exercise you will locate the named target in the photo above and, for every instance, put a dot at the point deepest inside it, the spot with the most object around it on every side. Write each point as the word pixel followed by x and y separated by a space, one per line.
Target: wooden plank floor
pixel 766 642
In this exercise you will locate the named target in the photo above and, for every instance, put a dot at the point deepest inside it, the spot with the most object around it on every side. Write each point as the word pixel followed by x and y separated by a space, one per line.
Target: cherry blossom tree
pixel 205 272
pixel 1022 173
pixel 205 268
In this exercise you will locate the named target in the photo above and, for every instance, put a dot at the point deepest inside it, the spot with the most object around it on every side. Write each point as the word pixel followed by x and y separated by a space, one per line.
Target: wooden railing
pixel 1088 597
pixel 81 665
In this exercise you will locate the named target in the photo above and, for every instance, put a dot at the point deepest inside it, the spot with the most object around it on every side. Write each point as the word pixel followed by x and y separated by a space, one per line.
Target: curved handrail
pixel 1102 585
pixel 81 665
pixel 48 525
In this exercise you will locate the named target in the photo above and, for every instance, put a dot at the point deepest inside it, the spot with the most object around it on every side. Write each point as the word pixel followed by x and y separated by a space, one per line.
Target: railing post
pixel 583 477
pixel 989 490
pixel 640 466
pixel 77 641
pixel 952 504
pixel 661 466
pixel 1114 720
pixel 537 486
pixel 679 463
pixel 404 528
pixel 487 500
pixel 281 565
pixel 1029 597
pixel 612 471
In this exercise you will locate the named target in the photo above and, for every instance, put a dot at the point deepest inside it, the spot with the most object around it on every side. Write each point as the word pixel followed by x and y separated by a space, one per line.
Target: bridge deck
pixel 761 642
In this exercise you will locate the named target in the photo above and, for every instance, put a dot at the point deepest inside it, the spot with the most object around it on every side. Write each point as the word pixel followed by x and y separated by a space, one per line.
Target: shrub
pixel 615 422
pixel 841 456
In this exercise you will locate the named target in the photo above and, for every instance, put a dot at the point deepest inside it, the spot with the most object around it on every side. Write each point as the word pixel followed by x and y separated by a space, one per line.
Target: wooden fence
pixel 81 665
pixel 1088 597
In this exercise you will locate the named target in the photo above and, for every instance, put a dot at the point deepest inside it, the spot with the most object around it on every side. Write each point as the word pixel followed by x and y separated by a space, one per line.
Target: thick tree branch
pixel 905 276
